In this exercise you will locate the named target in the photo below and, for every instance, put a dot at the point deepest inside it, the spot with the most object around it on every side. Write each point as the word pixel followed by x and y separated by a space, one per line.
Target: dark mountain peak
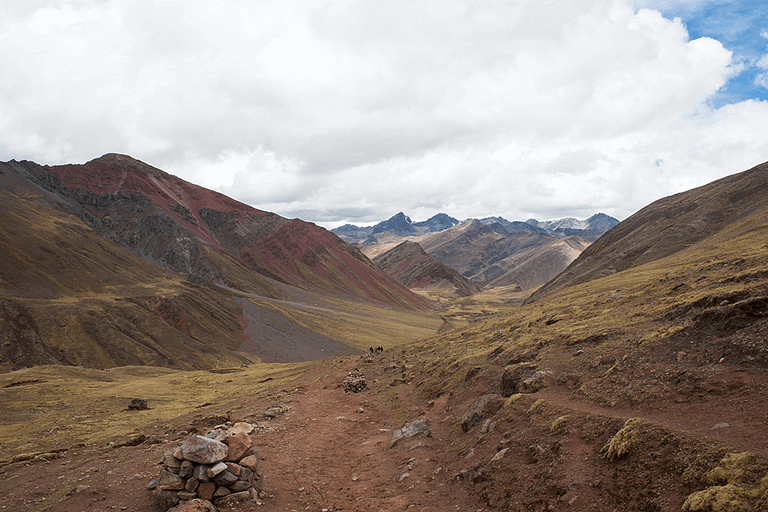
pixel 399 224
pixel 601 222
pixel 438 222
pixel 514 226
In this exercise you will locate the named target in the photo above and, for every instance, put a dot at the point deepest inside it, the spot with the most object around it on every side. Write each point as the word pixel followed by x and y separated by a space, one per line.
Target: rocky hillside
pixel 415 269
pixel 492 255
pixel 70 297
pixel 117 263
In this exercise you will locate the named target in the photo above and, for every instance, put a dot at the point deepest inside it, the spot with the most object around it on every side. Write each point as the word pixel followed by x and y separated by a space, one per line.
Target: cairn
pixel 220 467
pixel 355 381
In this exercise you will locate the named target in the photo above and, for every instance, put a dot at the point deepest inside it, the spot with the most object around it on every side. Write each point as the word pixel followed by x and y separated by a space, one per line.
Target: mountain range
pixel 491 252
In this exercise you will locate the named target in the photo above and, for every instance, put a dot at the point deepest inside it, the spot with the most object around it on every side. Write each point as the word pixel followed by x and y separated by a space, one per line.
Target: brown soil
pixel 331 451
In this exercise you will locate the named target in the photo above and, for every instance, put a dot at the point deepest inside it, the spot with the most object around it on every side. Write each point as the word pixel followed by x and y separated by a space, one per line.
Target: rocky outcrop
pixel 482 408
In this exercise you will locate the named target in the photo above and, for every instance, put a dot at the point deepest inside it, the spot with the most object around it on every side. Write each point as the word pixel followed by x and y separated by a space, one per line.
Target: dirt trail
pixel 330 450
pixel 737 418
pixel 333 452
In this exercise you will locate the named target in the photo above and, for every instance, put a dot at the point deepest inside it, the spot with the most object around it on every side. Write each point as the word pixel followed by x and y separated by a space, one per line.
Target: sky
pixel 351 111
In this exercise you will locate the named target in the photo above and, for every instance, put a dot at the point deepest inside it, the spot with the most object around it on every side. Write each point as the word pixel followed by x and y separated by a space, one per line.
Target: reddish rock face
pixel 176 224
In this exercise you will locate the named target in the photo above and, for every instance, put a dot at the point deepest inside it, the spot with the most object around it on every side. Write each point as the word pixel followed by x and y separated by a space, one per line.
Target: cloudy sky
pixel 350 111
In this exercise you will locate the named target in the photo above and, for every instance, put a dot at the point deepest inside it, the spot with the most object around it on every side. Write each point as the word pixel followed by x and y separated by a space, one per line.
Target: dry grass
pixel 55 407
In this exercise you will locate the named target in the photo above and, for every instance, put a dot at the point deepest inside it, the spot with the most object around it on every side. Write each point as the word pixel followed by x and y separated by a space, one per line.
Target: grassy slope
pixel 49 408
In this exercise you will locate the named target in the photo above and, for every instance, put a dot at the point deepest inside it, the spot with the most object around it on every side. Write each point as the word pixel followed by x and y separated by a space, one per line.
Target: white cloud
pixel 357 110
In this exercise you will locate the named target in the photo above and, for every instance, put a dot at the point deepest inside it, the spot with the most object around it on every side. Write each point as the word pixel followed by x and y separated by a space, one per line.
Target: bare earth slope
pixel 416 270
pixel 668 226
pixel 491 256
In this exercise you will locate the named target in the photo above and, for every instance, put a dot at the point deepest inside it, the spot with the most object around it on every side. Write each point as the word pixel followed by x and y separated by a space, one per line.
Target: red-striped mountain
pixel 415 269
pixel 179 225
pixel 115 262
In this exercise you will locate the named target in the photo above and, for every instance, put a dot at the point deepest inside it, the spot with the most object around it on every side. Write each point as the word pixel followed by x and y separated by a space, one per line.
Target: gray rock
pixel 203 450
pixel 535 382
pixel 232 499
pixel 221 491
pixel 484 407
pixel 186 469
pixel 246 475
pixel 170 481
pixel 513 376
pixel 412 429
pixel 239 486
pixel 225 478
pixel 138 404
pixel 166 499
pixel 186 495
pixel 151 486
pixel 201 473
pixel 233 468
pixel 216 469
pixel 171 463
pixel 192 484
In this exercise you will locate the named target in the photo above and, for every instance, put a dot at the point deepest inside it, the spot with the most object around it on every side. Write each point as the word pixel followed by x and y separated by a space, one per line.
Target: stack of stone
pixel 220 467
pixel 355 381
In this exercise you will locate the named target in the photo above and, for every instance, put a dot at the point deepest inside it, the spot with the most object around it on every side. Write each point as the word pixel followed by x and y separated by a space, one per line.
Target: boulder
pixel 535 382
pixel 138 404
pixel 203 450
pixel 513 376
pixel 484 407
pixel 412 429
